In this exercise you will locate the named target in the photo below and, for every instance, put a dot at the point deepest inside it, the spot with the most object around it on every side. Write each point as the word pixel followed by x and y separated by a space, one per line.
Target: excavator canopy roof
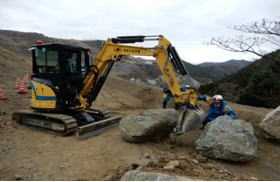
pixel 60 46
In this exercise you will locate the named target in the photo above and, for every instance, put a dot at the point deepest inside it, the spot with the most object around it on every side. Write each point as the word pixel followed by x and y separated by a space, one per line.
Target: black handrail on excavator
pixel 173 55
pixel 134 39
pixel 93 93
pixel 176 60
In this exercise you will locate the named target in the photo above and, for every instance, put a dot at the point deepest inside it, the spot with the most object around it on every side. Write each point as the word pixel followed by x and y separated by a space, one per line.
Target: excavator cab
pixel 58 74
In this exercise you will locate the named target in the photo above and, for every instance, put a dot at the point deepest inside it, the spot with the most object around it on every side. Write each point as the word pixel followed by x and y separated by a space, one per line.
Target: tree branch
pixel 254 38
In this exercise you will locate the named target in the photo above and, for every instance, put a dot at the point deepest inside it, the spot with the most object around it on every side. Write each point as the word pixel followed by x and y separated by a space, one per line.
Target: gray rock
pixel 150 176
pixel 151 82
pixel 172 164
pixel 271 124
pixel 229 139
pixel 153 124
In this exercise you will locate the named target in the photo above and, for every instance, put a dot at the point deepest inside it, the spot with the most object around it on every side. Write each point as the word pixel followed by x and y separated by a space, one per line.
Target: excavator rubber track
pixel 63 125
pixel 59 124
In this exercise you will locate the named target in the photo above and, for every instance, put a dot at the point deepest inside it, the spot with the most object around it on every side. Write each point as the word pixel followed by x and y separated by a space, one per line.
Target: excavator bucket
pixel 96 128
pixel 189 119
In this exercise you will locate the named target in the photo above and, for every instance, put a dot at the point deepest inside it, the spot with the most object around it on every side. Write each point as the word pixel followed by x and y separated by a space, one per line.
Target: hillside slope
pixel 256 85
pixel 232 64
pixel 223 69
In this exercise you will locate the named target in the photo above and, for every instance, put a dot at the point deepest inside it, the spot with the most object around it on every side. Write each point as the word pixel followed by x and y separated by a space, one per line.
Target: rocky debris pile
pixel 166 165
pixel 150 125
pixel 271 124
pixel 229 139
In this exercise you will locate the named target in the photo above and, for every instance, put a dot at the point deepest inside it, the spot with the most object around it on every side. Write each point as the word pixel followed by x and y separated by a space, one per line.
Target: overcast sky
pixel 188 24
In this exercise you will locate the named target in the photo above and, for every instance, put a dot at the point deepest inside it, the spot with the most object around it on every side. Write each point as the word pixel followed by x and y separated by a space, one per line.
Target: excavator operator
pixel 217 107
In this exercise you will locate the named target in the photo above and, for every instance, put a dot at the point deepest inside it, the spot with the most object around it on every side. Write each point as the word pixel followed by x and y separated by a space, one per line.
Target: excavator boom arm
pixel 113 49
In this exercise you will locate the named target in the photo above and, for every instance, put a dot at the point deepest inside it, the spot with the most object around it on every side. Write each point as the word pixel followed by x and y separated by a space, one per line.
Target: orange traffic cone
pixel 2 97
pixel 17 83
pixel 26 77
pixel 22 89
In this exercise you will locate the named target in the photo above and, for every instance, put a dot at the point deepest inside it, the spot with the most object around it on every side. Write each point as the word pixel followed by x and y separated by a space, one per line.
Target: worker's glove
pixel 201 97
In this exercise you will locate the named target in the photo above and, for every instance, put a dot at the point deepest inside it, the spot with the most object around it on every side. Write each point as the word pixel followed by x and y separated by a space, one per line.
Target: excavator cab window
pixel 51 59
pixel 47 60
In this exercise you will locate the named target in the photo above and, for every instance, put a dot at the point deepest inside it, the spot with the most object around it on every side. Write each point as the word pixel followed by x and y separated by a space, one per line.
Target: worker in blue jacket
pixel 217 107
pixel 167 95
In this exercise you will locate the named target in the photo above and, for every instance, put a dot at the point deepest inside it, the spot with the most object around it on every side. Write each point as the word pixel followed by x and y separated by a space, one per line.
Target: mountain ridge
pixel 236 62
pixel 19 42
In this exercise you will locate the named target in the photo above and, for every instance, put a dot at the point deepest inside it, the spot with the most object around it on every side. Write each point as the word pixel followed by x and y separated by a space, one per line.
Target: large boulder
pixel 135 175
pixel 229 139
pixel 271 124
pixel 153 124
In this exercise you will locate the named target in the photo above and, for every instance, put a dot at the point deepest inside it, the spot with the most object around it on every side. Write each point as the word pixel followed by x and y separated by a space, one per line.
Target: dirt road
pixel 27 154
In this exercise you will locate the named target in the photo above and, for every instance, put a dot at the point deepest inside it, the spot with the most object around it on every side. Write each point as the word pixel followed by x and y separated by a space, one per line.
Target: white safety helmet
pixel 218 98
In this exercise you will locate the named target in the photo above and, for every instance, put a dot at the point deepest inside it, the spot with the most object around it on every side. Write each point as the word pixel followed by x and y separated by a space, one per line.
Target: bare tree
pixel 258 38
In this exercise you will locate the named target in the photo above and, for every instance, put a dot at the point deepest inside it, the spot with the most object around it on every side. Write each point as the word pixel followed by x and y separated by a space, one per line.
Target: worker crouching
pixel 217 107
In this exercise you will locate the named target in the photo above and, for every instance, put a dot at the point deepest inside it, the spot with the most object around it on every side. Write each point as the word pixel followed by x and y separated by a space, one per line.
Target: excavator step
pixel 96 112
pixel 96 128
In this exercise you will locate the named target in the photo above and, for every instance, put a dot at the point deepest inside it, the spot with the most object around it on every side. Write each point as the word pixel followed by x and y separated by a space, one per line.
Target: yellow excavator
pixel 65 83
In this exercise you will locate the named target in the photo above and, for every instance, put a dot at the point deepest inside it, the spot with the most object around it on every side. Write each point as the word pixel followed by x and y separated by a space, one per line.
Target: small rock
pixel 182 157
pixel 202 159
pixel 195 161
pixel 110 177
pixel 172 164
pixel 146 155
pixel 252 178
pixel 132 167
pixel 18 177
